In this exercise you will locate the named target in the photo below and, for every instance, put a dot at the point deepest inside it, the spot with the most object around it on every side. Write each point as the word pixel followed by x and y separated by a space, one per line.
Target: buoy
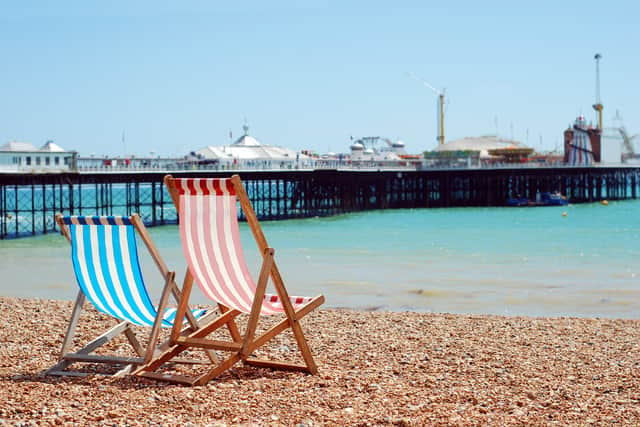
pixel 605 202
pixel 564 213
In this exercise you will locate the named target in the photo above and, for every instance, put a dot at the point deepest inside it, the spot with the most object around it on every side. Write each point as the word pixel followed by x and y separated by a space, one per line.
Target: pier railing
pixel 116 166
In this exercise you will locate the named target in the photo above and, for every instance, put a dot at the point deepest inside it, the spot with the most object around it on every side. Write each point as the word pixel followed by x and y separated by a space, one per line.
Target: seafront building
pixel 584 145
pixel 248 153
pixel 484 145
pixel 487 150
pixel 375 148
pixel 25 157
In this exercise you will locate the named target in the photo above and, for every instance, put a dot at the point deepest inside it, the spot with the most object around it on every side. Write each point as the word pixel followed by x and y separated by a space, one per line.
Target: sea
pixel 578 260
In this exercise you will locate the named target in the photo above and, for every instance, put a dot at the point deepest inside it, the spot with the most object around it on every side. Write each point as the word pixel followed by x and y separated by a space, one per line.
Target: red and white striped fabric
pixel 212 246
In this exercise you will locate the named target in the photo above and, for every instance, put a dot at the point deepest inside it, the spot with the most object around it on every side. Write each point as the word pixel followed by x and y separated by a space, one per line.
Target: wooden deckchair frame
pixel 242 346
pixel 144 355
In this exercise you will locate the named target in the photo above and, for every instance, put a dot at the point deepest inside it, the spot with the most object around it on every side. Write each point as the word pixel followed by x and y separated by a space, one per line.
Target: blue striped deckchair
pixel 105 261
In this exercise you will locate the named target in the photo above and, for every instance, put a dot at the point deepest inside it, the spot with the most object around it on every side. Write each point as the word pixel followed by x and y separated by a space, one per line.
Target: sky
pixel 125 78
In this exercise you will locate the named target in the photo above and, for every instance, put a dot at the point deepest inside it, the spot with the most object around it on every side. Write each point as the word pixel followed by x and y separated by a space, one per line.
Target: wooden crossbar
pixel 212 344
pixel 96 358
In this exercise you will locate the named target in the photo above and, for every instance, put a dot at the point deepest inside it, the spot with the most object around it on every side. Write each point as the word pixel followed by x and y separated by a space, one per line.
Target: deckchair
pixel 211 243
pixel 107 269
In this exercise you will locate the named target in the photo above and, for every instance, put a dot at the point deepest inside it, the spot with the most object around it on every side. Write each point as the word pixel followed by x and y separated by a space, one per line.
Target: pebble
pixel 376 368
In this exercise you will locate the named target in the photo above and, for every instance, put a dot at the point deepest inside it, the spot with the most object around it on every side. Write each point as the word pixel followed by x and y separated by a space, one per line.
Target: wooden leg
pixel 182 305
pixel 184 310
pixel 73 322
pixel 231 325
pixel 177 295
pixel 277 329
pixel 252 324
pixel 157 324
pixel 133 340
pixel 293 319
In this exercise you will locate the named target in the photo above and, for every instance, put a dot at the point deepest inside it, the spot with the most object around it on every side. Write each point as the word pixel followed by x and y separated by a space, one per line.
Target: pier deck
pixel 28 202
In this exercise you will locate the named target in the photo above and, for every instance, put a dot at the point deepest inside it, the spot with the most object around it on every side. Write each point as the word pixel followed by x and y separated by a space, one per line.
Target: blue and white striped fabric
pixel 105 261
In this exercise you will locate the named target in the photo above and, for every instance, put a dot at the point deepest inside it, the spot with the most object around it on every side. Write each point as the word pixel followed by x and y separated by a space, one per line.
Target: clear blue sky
pixel 177 76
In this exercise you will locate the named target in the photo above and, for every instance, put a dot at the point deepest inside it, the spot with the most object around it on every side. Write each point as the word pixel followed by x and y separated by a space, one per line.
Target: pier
pixel 28 202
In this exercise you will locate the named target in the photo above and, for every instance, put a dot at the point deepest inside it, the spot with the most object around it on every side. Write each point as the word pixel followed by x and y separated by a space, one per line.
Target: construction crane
pixel 440 94
pixel 598 105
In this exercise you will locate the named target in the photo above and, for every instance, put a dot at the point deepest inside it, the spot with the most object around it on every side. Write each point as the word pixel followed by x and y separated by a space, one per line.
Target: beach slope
pixel 375 369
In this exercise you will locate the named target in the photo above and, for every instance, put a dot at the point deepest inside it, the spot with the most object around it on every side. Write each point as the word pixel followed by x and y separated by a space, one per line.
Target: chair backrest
pixel 211 241
pixel 210 235
pixel 107 268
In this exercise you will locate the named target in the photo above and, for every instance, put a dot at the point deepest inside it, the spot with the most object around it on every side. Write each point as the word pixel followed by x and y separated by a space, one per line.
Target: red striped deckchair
pixel 213 250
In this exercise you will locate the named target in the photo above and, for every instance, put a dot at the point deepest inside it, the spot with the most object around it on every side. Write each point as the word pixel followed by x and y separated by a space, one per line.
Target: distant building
pixel 612 145
pixel 248 152
pixel 25 157
pixel 582 144
pixel 482 144
pixel 375 148
pixel 618 146
pixel 488 148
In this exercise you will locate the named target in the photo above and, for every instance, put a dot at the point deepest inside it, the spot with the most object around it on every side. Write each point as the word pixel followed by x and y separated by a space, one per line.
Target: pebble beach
pixel 376 368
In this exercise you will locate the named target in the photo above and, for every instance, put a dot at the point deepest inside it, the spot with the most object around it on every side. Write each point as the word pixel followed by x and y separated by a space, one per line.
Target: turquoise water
pixel 513 261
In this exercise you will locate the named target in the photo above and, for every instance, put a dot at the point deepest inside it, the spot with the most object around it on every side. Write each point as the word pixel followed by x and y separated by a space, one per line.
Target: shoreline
pixel 376 368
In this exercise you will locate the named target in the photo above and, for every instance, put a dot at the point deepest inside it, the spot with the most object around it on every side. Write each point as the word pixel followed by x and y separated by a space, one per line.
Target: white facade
pixel 375 148
pixel 247 151
pixel 611 143
pixel 25 157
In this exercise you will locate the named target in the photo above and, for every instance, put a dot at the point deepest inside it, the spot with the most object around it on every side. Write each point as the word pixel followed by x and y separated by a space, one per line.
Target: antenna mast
pixel 598 105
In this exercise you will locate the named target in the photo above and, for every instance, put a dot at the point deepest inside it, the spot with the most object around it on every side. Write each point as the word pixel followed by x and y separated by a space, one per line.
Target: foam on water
pixel 516 261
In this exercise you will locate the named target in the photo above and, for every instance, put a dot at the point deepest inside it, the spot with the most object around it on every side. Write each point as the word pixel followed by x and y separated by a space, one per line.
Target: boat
pixel 544 198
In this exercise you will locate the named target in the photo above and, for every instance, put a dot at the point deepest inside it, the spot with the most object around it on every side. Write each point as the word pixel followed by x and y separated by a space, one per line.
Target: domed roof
pixel 248 148
pixel 479 143
pixel 51 146
pixel 246 140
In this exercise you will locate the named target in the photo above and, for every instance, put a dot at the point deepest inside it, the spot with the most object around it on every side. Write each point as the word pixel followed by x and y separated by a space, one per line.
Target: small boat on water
pixel 545 198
